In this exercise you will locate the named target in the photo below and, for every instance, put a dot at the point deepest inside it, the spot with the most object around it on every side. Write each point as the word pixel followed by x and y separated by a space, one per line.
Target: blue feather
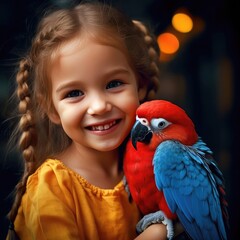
pixel 189 181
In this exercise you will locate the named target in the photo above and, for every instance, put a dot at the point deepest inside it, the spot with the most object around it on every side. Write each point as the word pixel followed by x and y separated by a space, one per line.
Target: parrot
pixel 169 168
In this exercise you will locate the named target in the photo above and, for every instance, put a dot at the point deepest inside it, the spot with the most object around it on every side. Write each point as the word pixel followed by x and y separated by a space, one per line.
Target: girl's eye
pixel 74 93
pixel 114 84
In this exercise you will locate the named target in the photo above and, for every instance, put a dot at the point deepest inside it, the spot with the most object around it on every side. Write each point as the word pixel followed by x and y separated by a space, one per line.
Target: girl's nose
pixel 98 105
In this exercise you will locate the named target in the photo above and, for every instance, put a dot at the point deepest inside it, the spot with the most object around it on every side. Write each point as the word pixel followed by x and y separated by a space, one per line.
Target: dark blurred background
pixel 202 77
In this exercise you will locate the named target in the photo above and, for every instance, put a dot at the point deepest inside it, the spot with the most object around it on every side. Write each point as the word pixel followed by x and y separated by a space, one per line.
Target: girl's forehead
pixel 71 45
pixel 82 39
pixel 81 42
pixel 88 58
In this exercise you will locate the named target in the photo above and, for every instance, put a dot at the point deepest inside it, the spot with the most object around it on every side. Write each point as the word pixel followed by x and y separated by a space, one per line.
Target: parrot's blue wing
pixel 189 181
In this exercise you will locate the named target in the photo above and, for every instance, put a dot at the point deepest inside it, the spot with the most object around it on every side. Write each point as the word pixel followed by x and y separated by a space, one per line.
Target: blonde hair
pixel 39 137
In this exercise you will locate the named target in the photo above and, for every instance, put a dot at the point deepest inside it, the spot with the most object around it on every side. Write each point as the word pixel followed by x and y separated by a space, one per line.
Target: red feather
pixel 138 170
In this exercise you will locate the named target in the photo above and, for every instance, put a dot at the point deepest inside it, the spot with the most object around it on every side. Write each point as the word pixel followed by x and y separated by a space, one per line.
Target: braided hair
pixel 39 138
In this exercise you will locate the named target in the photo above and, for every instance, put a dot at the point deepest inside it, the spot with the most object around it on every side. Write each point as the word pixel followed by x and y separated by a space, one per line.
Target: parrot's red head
pixel 160 120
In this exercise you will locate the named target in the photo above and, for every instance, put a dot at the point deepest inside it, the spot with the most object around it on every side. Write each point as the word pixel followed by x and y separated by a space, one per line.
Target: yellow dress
pixel 61 205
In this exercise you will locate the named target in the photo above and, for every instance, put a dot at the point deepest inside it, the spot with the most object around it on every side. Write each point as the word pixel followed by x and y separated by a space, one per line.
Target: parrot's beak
pixel 140 133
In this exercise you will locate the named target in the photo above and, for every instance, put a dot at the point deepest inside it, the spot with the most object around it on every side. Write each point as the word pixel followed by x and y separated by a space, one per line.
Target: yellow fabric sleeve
pixel 60 204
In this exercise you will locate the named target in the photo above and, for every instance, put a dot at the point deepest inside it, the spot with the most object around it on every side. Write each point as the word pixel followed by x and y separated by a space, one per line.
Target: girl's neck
pixel 98 168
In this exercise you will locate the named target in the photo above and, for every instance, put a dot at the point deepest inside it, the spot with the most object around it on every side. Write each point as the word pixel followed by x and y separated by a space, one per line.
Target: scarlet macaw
pixel 169 168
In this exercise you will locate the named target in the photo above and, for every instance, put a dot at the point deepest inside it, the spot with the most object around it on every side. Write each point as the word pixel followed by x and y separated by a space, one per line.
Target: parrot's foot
pixel 157 217
pixel 127 189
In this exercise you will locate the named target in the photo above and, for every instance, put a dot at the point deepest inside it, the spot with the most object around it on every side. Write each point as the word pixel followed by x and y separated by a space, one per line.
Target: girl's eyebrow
pixel 108 74
pixel 117 71
pixel 66 85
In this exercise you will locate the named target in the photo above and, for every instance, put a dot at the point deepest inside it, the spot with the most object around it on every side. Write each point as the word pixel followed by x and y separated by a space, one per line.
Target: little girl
pixel 88 69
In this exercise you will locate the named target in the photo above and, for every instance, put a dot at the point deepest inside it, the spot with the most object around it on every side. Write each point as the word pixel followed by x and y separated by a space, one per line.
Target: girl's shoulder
pixel 50 176
pixel 53 174
pixel 51 167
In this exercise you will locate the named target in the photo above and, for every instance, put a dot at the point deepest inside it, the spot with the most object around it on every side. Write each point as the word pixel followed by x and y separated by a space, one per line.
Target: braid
pixel 28 137
pixel 153 53
pixel 26 124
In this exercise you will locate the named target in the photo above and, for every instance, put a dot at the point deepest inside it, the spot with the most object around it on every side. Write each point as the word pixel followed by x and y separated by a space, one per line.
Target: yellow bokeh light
pixel 168 43
pixel 182 22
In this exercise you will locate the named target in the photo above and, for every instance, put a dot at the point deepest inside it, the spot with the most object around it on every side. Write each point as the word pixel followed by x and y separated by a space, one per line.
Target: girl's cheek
pixel 70 115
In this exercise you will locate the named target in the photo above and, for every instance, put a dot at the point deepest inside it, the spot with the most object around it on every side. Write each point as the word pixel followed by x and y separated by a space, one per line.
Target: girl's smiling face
pixel 95 94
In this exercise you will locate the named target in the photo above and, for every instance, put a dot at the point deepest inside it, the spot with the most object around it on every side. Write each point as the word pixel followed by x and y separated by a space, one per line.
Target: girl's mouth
pixel 103 127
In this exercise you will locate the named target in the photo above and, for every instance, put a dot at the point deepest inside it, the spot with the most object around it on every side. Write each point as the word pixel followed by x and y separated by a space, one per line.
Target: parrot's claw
pixel 169 225
pixel 127 189
pixel 156 217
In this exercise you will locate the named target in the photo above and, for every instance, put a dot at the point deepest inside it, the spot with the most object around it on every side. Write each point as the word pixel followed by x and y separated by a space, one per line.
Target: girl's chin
pixel 107 147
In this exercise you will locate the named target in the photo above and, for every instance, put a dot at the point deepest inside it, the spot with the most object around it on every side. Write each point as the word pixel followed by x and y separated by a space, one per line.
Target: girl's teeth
pixel 103 127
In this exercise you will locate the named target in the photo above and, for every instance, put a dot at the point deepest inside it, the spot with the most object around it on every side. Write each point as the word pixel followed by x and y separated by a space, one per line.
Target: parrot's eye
pixel 143 121
pixel 159 123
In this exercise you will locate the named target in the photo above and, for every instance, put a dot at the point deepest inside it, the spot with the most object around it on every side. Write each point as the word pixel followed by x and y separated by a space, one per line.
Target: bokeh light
pixel 182 22
pixel 168 43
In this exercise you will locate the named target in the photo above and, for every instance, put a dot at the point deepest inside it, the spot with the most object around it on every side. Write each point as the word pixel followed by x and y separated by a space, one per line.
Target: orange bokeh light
pixel 182 22
pixel 168 43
